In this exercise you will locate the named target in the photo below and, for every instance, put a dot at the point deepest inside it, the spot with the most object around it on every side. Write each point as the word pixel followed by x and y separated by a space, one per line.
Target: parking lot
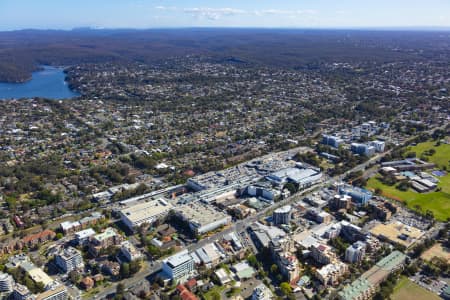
pixel 435 286
pixel 410 219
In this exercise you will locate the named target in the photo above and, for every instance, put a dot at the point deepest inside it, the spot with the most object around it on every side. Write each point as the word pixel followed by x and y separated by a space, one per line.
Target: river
pixel 46 83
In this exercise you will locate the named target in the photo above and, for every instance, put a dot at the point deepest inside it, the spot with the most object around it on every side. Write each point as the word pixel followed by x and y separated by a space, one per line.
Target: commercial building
pixel 282 215
pixel 55 292
pixel 23 262
pixel 355 253
pixel 210 255
pixel 266 193
pixel 38 275
pixel 179 266
pixel 300 175
pixel 6 283
pixel 262 292
pixel 202 218
pixel 69 259
pixel 144 213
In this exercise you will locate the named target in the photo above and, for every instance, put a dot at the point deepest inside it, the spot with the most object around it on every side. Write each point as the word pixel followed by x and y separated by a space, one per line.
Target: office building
pixel 179 266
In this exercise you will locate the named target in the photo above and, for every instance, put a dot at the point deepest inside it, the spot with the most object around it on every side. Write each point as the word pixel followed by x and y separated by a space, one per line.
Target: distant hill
pixel 23 51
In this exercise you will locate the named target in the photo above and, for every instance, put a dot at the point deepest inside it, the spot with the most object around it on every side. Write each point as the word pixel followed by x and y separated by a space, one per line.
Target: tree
pixel 125 270
pixel 120 290
pixel 291 187
pixel 74 276
pixel 285 288
pixel 273 269
pixel 215 295
pixel 135 266
pixel 252 260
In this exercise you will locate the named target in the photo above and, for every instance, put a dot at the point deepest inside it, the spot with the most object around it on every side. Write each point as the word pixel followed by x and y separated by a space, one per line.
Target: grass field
pixel 437 202
pixel 437 250
pixel 406 290
pixel 440 158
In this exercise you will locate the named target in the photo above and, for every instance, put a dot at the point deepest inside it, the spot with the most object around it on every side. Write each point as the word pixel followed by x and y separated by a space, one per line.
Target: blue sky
pixel 67 14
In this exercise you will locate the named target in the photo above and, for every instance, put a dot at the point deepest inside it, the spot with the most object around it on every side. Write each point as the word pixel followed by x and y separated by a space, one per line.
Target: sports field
pixel 437 250
pixel 437 202
pixel 407 290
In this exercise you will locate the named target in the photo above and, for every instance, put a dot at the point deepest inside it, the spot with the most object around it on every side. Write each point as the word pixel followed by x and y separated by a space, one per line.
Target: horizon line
pixel 356 28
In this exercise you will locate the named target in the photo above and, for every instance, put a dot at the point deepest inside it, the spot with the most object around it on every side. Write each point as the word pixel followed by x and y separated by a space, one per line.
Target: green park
pixel 437 201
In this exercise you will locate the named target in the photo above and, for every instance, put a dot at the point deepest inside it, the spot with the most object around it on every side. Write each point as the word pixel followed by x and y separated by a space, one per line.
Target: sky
pixel 68 14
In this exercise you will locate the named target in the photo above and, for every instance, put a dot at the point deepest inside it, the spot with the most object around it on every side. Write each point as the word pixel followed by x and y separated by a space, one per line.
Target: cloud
pixel 213 13
pixel 285 12
pixel 161 7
